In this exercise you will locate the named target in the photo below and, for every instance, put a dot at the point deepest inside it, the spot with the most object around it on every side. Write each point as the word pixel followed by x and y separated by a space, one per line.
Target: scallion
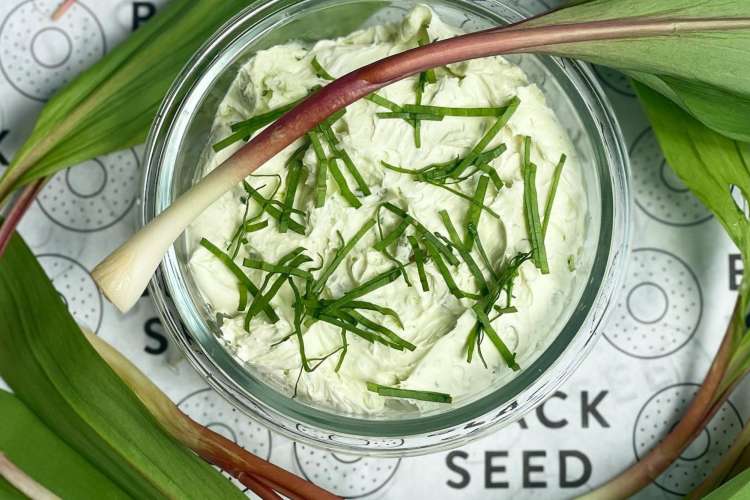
pixel 395 392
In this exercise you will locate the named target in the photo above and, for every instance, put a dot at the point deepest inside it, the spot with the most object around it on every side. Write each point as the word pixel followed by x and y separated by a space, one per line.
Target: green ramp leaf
pixel 58 375
pixel 47 459
pixel 110 106
pixel 706 73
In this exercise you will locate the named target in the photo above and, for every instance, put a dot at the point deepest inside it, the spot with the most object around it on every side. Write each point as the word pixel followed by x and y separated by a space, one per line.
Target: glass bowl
pixel 180 134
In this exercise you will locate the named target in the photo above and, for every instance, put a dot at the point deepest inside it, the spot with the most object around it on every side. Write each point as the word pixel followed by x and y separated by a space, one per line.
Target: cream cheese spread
pixel 434 321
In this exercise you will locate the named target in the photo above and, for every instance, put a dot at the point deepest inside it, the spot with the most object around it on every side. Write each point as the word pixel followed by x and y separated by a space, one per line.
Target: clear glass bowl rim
pixel 536 382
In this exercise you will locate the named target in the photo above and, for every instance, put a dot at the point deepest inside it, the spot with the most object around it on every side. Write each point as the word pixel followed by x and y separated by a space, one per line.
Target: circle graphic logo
pixel 658 191
pixel 659 416
pixel 38 55
pixel 76 287
pixel 348 476
pixel 94 195
pixel 659 308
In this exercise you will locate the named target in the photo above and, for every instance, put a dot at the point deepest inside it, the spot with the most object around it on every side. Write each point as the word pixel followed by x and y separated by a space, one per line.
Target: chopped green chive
pixel 320 71
pixel 472 265
pixel 344 348
pixel 448 223
pixel 369 306
pixel 395 392
pixel 237 272
pixel 551 195
pixel 402 170
pixel 475 210
pixel 472 230
pixel 505 310
pixel 293 179
pixel 268 206
pixel 389 334
pixel 346 193
pixel 275 268
pixel 509 357
pixel 487 138
pixel 419 258
pixel 531 211
pixel 243 297
pixel 360 332
pixel 384 103
pixel 424 232
pixel 421 83
pixel 339 256
pixel 400 115
pixel 443 270
pixel 394 235
pixel 450 111
pixel 341 153
pixel 368 286
pixel 423 38
pixel 491 154
pixel 471 199
pixel 328 122
pixel 299 310
pixel 322 171
pixel 236 240
pixel 251 227
pixel 262 301
pixel 494 177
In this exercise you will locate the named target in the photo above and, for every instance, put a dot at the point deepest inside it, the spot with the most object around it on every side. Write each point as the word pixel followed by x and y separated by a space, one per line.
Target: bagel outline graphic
pixel 87 209
pixel 701 458
pixel 23 64
pixel 340 467
pixel 625 322
pixel 218 420
pixel 658 191
pixel 87 296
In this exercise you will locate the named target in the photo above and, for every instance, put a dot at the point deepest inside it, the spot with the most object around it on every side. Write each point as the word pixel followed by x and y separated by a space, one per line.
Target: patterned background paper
pixel 663 330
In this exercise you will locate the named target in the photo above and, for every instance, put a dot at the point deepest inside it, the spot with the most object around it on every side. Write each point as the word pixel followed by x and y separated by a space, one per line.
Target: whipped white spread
pixel 436 322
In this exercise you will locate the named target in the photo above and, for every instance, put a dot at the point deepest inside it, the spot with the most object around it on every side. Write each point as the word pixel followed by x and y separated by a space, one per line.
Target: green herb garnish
pixel 487 138
pixel 424 232
pixel 263 301
pixel 531 210
pixel 448 223
pixel 443 111
pixel 346 193
pixel 339 256
pixel 341 153
pixel 321 174
pixel 369 306
pixel 294 177
pixel 344 349
pixel 509 357
pixel 269 206
pixel 444 271
pixel 237 272
pixel 475 210
pixel 419 258
pixel 386 332
pixel 275 268
pixel 368 286
pixel 395 392
pixel 401 115
pixel 551 194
